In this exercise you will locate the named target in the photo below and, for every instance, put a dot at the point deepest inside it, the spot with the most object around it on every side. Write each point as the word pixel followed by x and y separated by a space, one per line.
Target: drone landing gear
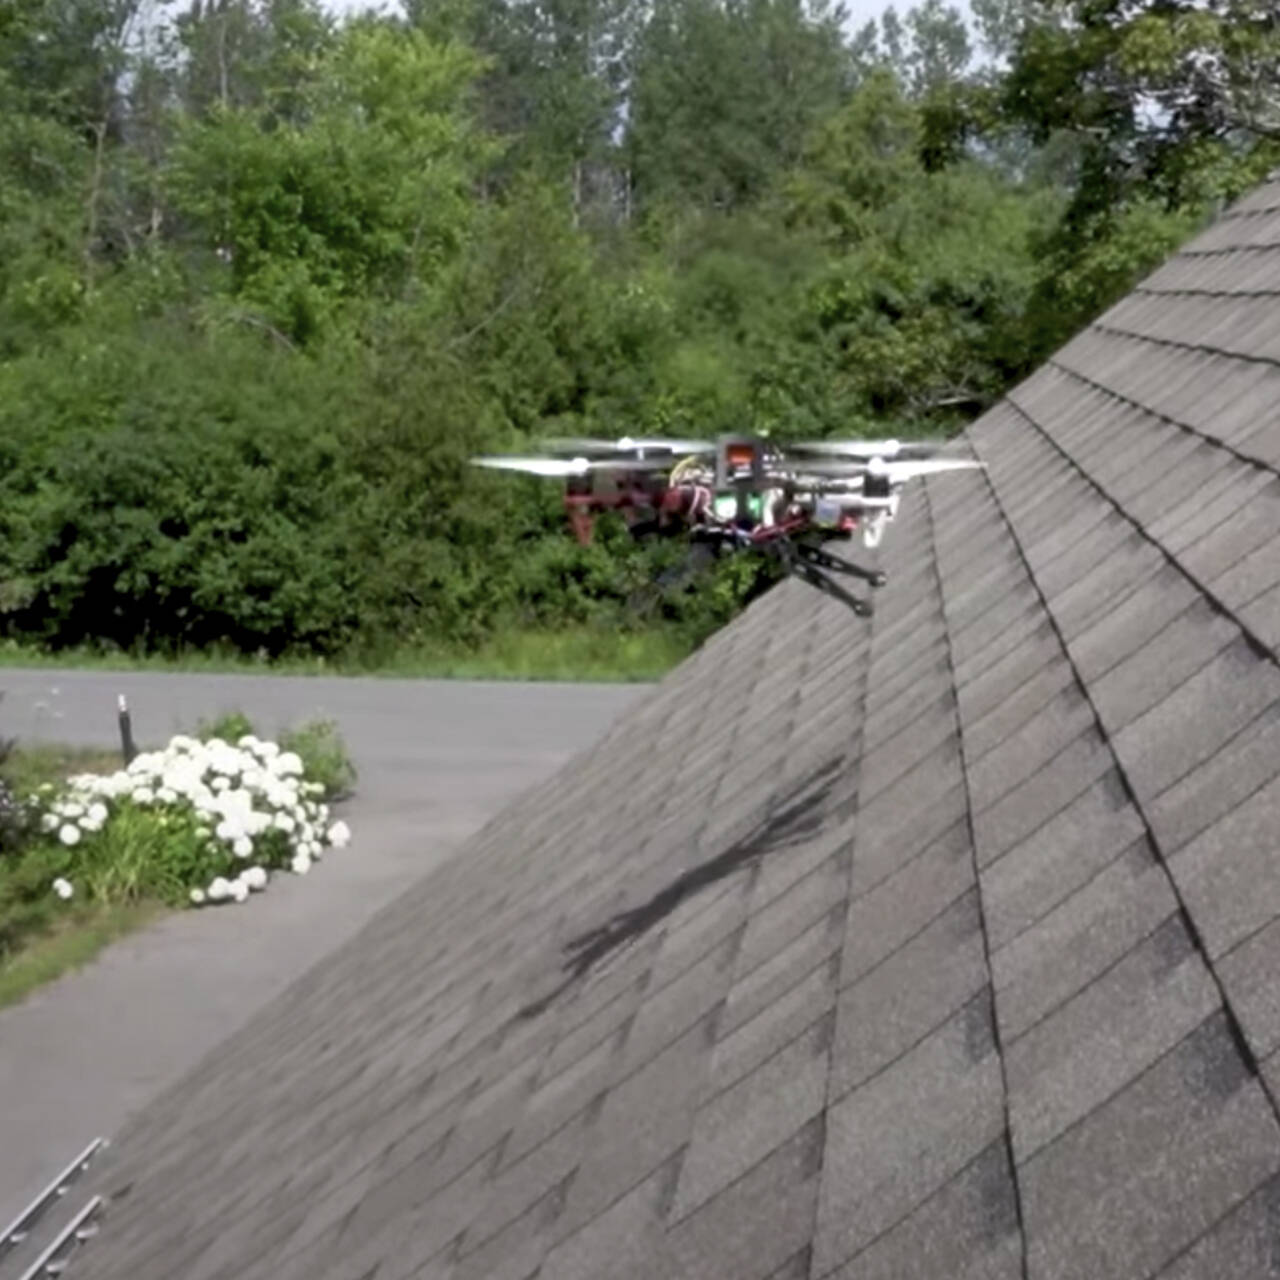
pixel 821 559
pixel 813 565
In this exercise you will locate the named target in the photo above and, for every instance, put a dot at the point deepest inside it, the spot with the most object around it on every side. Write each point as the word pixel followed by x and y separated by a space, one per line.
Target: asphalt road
pixel 436 760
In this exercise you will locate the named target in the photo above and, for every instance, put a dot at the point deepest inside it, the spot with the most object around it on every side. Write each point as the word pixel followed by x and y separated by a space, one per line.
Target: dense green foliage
pixel 267 279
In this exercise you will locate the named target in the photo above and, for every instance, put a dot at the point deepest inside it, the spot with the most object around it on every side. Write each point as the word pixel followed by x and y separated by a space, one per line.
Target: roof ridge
pixel 1010 1156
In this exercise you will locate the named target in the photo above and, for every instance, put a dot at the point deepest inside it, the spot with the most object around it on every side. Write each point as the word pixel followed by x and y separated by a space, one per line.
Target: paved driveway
pixel 436 760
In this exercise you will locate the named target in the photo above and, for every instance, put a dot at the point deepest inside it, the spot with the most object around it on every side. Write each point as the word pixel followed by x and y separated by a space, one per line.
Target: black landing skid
pixel 815 565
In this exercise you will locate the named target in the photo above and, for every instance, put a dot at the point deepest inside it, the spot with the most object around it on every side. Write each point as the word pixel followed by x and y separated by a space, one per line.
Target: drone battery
pixel 827 511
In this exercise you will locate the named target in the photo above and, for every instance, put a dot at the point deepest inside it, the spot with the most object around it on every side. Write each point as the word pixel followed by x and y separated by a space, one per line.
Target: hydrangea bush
pixel 205 821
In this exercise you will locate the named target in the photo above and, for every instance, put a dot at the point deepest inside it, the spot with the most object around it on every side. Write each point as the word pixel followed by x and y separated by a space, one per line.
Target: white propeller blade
pixel 901 472
pixel 628 444
pixel 674 446
pixel 852 448
pixel 556 467
pixel 854 502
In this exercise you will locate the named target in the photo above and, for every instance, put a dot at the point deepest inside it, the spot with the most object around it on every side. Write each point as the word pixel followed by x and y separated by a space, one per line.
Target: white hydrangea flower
pixel 287 763
pixel 63 888
pixel 229 794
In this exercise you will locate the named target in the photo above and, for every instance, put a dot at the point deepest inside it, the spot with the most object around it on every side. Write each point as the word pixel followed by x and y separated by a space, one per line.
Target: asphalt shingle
pixel 1193 1136
pixel 1086 1050
pixel 968 1230
pixel 899 1137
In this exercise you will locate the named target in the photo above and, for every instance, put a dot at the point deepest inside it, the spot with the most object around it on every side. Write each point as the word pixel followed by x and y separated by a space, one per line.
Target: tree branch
pixel 257 322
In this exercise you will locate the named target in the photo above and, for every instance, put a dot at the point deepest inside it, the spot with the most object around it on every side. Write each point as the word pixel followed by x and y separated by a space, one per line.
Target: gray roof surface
pixel 945 945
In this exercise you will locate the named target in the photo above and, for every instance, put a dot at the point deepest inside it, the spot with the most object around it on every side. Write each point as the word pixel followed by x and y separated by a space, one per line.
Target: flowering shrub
pixel 13 820
pixel 198 821
pixel 14 814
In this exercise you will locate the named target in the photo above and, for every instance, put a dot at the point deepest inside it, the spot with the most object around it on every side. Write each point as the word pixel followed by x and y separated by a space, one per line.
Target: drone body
pixel 742 492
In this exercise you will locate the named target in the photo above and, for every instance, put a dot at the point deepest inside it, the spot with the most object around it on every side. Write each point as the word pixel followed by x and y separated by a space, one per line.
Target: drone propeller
pixel 627 444
pixel 868 449
pixel 894 472
pixel 564 468
pixel 901 472
pixel 570 468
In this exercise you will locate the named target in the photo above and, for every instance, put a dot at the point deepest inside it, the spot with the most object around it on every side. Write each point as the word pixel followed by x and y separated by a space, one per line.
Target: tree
pixel 1164 105
pixel 249 53
pixel 857 163
pixel 553 86
pixel 368 194
pixel 724 95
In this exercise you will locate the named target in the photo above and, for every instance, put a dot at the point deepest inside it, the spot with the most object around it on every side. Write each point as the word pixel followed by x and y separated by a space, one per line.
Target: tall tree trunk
pixel 93 199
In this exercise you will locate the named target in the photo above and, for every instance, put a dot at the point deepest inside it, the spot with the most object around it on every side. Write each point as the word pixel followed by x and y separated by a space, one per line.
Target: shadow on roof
pixel 800 814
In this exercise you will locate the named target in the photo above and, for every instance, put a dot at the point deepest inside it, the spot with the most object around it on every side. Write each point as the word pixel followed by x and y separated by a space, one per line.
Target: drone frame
pixel 689 497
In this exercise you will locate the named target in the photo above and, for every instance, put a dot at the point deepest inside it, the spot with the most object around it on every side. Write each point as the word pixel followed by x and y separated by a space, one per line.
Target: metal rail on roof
pixel 20 1228
pixel 53 1261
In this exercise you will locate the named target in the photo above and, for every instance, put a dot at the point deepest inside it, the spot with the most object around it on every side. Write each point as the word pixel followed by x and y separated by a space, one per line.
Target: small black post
pixel 127 749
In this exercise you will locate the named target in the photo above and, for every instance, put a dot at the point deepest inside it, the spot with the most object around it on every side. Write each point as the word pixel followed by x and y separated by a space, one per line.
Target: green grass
pixel 30 766
pixel 583 654
pixel 76 938
pixel 44 943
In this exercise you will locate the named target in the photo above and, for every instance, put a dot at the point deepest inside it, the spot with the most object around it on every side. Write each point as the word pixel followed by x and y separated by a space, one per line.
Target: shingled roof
pixel 945 945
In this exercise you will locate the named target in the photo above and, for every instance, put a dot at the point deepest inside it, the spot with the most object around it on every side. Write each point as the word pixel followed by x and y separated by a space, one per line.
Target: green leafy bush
pixel 324 755
pixel 231 726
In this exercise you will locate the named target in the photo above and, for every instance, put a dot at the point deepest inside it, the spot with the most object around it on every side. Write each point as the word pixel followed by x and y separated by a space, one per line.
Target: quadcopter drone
pixel 743 492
